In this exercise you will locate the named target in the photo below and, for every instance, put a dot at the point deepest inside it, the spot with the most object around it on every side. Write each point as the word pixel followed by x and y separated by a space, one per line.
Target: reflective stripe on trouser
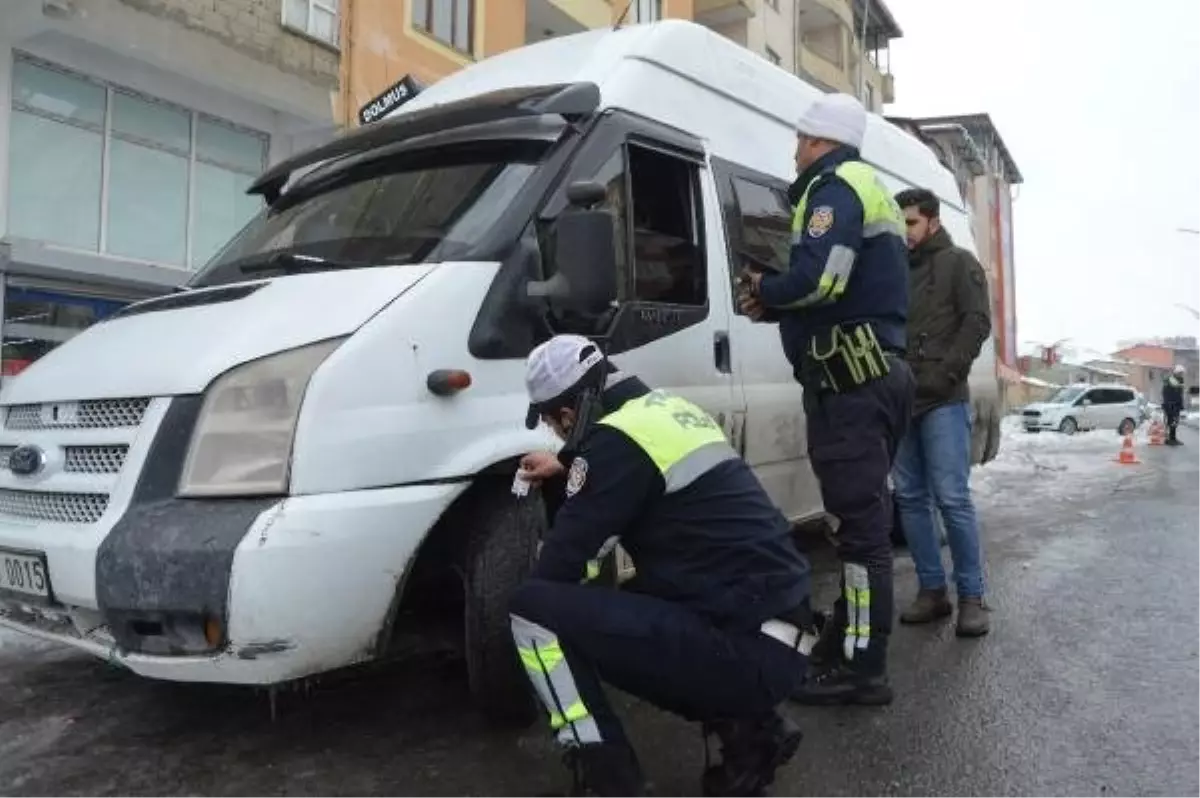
pixel 542 656
pixel 856 589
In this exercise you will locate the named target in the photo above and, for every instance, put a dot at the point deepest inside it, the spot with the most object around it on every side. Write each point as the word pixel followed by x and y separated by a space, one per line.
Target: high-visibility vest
pixel 683 441
pixel 881 214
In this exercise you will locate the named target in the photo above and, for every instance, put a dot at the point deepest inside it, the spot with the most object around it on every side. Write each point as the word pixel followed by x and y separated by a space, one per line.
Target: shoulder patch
pixel 577 476
pixel 978 277
pixel 821 221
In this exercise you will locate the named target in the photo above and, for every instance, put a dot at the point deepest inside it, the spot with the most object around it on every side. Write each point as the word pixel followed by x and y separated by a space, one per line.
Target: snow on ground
pixel 1046 459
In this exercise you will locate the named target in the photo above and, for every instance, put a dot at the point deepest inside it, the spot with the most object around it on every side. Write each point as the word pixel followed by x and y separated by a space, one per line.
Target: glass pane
pixel 442 12
pixel 431 212
pixel 222 144
pixel 55 93
pixel 222 208
pixel 324 25
pixel 295 13
pixel 766 225
pixel 147 203
pixel 462 25
pixel 152 122
pixel 420 14
pixel 54 182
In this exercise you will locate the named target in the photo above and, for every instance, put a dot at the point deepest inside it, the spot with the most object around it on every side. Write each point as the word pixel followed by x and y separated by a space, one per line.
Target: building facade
pixel 820 40
pixel 129 130
pixel 836 45
pixel 971 148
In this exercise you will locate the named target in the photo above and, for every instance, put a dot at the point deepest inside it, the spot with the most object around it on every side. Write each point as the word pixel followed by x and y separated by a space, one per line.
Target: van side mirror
pixel 1085 401
pixel 584 285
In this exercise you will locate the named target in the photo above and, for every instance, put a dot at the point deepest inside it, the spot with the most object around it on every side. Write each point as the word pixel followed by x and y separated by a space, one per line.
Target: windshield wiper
pixel 293 263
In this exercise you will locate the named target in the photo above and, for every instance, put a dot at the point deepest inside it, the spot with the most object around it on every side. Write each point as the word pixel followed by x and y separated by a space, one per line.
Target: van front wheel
pixel 501 549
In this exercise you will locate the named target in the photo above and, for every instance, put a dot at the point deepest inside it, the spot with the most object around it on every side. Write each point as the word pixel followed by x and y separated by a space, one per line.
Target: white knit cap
pixel 836 117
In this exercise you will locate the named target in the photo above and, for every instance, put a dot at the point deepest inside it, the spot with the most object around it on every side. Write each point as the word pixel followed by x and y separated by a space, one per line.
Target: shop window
pixel 315 18
pixel 451 22
pixel 36 321
pixel 102 169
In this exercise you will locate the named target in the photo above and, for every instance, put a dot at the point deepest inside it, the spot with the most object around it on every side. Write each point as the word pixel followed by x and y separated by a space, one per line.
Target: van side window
pixel 656 196
pixel 668 253
pixel 766 225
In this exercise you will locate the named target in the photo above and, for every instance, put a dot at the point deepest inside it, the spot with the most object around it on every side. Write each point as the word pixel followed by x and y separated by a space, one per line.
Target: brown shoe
pixel 972 618
pixel 928 606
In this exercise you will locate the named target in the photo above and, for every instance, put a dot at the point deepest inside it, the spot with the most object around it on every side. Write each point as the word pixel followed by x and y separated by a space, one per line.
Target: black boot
pixel 605 769
pixel 827 651
pixel 842 685
pixel 751 752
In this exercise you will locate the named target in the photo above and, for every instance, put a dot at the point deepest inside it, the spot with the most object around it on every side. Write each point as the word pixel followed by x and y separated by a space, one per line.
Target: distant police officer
pixel 842 308
pixel 709 628
pixel 1172 402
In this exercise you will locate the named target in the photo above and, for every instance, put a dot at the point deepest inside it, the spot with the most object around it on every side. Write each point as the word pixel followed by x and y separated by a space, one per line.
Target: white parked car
pixel 1086 407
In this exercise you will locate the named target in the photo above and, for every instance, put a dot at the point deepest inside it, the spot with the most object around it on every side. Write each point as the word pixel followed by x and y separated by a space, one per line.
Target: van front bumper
pixel 312 583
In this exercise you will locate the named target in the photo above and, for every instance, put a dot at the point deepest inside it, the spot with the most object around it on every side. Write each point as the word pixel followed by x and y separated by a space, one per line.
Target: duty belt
pixel 844 358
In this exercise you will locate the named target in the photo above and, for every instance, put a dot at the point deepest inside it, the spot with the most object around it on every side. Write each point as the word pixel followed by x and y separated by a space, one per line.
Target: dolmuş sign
pixel 395 96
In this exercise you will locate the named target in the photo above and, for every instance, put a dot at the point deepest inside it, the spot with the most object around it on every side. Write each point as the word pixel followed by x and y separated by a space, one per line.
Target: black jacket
pixel 719 546
pixel 949 319
pixel 1172 393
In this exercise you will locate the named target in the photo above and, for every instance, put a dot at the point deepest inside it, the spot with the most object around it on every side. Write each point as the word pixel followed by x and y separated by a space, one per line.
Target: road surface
pixel 1087 684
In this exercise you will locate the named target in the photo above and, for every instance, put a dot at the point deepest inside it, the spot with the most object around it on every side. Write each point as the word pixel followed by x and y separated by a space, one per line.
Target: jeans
pixel 933 469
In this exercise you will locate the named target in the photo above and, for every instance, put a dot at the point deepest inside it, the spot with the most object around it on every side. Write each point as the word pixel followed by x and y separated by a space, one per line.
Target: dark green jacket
pixel 949 318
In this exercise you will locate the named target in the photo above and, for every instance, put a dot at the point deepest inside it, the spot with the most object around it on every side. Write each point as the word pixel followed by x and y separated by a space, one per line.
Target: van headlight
pixel 242 442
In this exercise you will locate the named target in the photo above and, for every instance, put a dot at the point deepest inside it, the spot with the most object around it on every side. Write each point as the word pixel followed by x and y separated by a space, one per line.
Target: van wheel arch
pixel 455 598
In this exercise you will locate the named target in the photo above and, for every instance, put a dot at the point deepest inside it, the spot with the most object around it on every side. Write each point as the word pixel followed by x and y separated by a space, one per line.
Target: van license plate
pixel 24 573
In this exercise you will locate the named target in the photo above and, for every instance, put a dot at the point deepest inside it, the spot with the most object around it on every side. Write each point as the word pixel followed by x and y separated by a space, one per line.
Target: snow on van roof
pixel 687 76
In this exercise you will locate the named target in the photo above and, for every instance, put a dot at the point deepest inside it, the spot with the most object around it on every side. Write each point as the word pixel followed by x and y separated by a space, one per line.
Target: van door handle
pixel 722 356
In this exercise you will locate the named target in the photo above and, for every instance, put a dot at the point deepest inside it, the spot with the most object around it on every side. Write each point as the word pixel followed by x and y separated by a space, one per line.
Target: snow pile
pixel 1033 461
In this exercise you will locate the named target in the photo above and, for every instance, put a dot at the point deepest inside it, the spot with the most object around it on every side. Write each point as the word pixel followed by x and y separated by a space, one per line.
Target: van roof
pixel 685 75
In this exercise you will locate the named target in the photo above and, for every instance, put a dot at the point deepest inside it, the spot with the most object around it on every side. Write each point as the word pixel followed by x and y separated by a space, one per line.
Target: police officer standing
pixel 711 626
pixel 1172 403
pixel 842 308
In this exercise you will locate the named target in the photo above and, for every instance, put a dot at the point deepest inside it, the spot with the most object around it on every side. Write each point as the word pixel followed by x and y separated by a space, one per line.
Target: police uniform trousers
pixel 573 637
pixel 852 442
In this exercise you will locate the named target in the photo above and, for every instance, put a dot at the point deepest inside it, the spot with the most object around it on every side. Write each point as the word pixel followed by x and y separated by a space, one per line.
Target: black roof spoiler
pixel 569 100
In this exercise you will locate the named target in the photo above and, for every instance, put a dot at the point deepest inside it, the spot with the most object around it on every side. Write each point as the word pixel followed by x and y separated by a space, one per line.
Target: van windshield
pixel 427 206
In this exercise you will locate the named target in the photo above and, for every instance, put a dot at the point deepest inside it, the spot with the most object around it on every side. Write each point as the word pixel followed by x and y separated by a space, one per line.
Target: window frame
pixel 107 135
pixel 639 322
pixel 426 28
pixel 725 172
pixel 652 10
pixel 331 7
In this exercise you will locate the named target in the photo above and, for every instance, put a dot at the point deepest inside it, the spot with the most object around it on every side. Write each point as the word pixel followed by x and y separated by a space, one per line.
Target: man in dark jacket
pixel 948 322
pixel 1172 403
pixel 710 627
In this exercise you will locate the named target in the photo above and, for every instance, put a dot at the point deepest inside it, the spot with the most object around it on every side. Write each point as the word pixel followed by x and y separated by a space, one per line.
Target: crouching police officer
pixel 842 308
pixel 711 626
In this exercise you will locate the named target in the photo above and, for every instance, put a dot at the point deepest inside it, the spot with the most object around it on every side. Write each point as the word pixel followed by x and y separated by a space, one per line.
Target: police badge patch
pixel 820 221
pixel 577 476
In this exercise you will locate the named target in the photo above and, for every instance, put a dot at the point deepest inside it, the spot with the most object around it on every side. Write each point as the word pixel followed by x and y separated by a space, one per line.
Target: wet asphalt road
pixel 1087 684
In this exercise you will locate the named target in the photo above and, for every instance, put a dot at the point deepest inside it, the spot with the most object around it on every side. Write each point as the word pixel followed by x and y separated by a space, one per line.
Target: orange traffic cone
pixel 1158 435
pixel 1127 456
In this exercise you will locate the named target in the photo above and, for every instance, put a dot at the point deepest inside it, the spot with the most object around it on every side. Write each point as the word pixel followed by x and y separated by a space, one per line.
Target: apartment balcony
pixel 546 19
pixel 715 13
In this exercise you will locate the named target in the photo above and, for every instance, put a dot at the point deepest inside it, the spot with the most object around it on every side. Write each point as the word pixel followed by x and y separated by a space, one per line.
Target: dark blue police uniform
pixel 842 310
pixel 715 562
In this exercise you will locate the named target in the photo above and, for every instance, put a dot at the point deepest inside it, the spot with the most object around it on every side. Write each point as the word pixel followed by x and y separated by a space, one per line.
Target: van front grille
pixel 88 414
pixel 63 508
